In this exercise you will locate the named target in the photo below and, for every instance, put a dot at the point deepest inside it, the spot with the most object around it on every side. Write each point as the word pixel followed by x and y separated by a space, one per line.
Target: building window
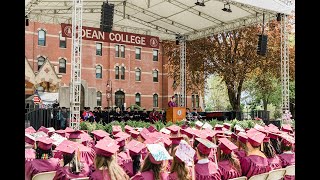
pixel 138 99
pixel 119 99
pixel 122 51
pixel 41 38
pixel 155 100
pixel 99 49
pixel 192 101
pixel 155 76
pixel 62 41
pixel 40 62
pixel 123 70
pixel 98 72
pixel 197 101
pixel 117 72
pixel 99 98
pixel 62 66
pixel 138 53
pixel 155 55
pixel 117 50
pixel 138 74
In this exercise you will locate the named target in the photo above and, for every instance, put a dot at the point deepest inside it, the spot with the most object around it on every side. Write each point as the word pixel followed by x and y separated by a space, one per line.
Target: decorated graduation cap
pixel 151 129
pixel 116 129
pixel 205 146
pixel 286 128
pixel 226 145
pixel 242 137
pixel 185 152
pixel 57 139
pixel 128 128
pixel 134 133
pixel 198 124
pixel 45 143
pixel 121 135
pixel 227 125
pixel 255 138
pixel 135 147
pixel 174 129
pixel 106 148
pixel 29 130
pixel 176 140
pixel 43 129
pixel 157 153
pixel 145 133
pixel 99 134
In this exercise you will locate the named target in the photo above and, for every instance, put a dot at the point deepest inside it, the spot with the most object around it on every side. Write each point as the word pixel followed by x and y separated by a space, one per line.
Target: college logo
pixel 179 112
pixel 68 31
pixel 154 42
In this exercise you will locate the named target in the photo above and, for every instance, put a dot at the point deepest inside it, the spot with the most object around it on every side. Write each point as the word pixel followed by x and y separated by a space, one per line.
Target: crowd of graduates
pixel 221 152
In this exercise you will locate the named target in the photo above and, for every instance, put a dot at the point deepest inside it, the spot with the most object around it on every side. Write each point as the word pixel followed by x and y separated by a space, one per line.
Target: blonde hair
pixel 179 167
pixel 113 169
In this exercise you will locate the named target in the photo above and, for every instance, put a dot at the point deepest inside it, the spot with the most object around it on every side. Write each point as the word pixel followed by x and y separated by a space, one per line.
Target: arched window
pixel 62 66
pixel 117 72
pixel 41 38
pixel 99 98
pixel 155 100
pixel 138 99
pixel 119 99
pixel 197 101
pixel 40 62
pixel 123 70
pixel 138 74
pixel 98 71
pixel 192 101
pixel 155 75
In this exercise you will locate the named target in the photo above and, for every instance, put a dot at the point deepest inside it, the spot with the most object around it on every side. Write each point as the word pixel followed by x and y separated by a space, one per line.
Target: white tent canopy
pixel 163 18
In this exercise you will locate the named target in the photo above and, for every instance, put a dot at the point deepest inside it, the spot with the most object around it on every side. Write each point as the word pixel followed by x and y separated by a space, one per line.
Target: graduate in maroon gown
pixel 72 167
pixel 228 162
pixel 255 162
pixel 172 102
pixel 179 169
pixel 44 161
pixel 106 166
pixel 268 150
pixel 135 147
pixel 175 142
pixel 204 168
pixel 288 156
pixel 123 157
pixel 154 116
pixel 242 147
pixel 274 140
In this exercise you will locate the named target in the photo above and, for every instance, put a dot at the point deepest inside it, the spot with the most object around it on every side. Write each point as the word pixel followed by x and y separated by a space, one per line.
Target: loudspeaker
pixel 262 45
pixel 106 21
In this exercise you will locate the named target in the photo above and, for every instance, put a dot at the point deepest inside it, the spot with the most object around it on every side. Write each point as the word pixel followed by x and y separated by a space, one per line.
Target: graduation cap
pixel 234 136
pixel 260 128
pixel 188 131
pixel 205 146
pixel 121 141
pixel 185 152
pixel 226 145
pixel 43 129
pixel 116 129
pixel 218 127
pixel 198 124
pixel 134 134
pixel 174 129
pixel 128 128
pixel 255 138
pixel 135 147
pixel 68 129
pixel 99 134
pixel 286 128
pixel 106 148
pixel 227 125
pixel 75 134
pixel 121 135
pixel 176 140
pixel 242 137
pixel 151 129
pixel 165 131
pixel 207 126
pixel 45 143
pixel 61 132
pixel 51 129
pixel 157 153
pixel 57 139
pixel 29 139
pixel 238 129
pixel 273 135
pixel 30 130
pixel 145 133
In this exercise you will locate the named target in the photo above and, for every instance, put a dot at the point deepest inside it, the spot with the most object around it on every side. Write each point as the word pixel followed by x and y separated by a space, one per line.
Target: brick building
pixel 135 74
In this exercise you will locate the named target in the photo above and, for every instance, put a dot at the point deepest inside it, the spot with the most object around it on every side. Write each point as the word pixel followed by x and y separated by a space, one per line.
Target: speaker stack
pixel 262 45
pixel 106 21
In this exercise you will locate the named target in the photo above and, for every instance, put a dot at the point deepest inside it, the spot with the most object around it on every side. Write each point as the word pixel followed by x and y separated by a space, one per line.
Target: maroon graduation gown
pixel 148 175
pixel 275 163
pixel 207 171
pixel 40 165
pixel 240 153
pixel 64 173
pixel 100 175
pixel 287 159
pixel 253 165
pixel 125 161
pixel 227 170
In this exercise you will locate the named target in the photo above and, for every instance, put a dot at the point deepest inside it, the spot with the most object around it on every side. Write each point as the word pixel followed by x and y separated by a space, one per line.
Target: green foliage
pixel 132 106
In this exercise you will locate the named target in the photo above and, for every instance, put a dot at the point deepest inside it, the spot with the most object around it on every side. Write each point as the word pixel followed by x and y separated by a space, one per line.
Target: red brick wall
pixel 146 87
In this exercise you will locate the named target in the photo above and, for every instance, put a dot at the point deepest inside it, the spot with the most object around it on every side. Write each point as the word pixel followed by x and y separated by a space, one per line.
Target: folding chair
pixel 44 175
pixel 262 176
pixel 276 174
pixel 290 170
pixel 240 178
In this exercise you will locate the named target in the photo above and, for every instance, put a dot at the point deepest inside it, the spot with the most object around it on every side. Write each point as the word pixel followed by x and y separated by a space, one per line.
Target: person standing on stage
pixel 172 102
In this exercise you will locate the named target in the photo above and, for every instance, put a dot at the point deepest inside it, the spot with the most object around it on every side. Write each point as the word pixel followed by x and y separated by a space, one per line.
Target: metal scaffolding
pixel 182 42
pixel 285 65
pixel 76 65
